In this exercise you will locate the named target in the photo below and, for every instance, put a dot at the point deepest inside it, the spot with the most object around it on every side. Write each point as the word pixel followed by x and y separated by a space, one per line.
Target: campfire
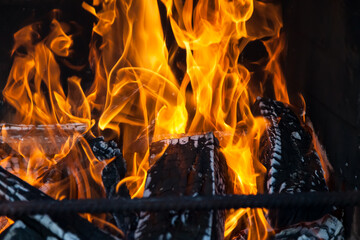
pixel 173 106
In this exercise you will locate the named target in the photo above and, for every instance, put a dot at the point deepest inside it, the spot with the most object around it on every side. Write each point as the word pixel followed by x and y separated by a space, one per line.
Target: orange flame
pixel 136 96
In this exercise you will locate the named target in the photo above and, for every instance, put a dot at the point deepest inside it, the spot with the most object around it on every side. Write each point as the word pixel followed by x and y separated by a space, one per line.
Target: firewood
pixel 51 137
pixel 292 163
pixel 328 227
pixel 189 166
pixel 115 170
pixel 112 174
pixel 69 226
pixel 17 129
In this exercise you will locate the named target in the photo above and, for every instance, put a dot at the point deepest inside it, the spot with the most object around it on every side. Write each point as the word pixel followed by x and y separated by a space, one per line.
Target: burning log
pixel 289 155
pixel 115 170
pixel 43 135
pixel 112 174
pixel 70 226
pixel 189 166
pixel 292 162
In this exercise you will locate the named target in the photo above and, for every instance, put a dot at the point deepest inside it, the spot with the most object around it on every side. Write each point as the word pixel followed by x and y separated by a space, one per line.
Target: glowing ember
pixel 139 97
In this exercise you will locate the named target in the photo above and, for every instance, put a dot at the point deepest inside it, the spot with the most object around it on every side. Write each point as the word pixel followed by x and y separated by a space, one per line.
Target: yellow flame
pixel 135 95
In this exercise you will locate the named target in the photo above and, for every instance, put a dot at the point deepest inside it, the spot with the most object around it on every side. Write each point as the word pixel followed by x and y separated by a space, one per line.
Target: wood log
pixel 112 174
pixel 189 166
pixel 115 170
pixel 292 163
pixel 328 227
pixel 70 226
pixel 50 137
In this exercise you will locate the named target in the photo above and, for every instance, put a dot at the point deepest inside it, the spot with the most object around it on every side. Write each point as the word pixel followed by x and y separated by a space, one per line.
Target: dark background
pixel 322 62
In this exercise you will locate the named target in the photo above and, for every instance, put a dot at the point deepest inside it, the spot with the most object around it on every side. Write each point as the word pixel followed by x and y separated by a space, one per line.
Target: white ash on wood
pixel 67 227
pixel 190 166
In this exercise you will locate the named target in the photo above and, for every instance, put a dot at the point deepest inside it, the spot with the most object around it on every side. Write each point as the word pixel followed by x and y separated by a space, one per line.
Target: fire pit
pixel 160 120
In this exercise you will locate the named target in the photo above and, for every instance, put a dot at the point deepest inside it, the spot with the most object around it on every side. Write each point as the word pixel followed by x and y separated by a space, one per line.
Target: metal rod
pixel 299 200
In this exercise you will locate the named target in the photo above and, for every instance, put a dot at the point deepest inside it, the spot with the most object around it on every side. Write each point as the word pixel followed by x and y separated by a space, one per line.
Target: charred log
pixel 115 170
pixel 328 227
pixel 69 226
pixel 112 174
pixel 189 166
pixel 292 163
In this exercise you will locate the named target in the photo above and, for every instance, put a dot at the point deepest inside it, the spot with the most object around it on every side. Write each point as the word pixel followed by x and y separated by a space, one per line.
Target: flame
pixel 136 96
pixel 48 147
pixel 5 223
pixel 34 87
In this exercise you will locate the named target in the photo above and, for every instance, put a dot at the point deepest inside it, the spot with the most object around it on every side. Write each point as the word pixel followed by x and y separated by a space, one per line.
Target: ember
pixel 170 111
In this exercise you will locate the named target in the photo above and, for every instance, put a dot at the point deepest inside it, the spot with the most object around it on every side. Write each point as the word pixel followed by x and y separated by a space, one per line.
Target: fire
pixel 136 95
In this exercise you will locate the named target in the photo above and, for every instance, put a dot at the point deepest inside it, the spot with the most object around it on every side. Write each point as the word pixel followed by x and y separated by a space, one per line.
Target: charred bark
pixel 292 163
pixel 67 226
pixel 189 166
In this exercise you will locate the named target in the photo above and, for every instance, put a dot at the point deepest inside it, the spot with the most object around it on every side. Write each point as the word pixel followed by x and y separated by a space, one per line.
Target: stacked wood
pixel 188 166
pixel 69 226
pixel 292 163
